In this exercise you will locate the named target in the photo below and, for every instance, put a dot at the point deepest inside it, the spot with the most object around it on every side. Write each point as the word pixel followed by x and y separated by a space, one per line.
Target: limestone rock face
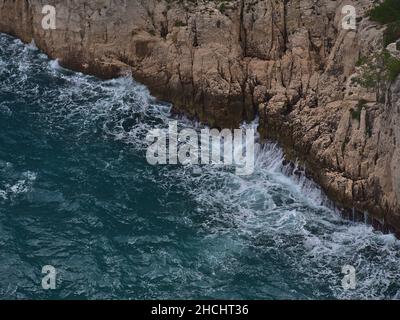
pixel 289 62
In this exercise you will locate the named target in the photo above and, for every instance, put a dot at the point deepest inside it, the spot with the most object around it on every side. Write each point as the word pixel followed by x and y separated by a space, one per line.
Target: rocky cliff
pixel 289 62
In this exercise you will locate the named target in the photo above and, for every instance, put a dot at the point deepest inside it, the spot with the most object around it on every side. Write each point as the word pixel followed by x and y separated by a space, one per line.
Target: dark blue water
pixel 77 193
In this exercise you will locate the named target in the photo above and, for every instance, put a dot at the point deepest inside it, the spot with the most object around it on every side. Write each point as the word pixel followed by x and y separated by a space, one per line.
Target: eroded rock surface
pixel 289 62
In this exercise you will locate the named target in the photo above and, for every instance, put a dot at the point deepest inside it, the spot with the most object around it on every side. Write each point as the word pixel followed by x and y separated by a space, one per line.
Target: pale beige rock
pixel 289 61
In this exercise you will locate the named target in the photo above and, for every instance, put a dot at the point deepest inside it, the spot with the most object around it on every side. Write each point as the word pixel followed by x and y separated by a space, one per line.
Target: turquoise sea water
pixel 77 193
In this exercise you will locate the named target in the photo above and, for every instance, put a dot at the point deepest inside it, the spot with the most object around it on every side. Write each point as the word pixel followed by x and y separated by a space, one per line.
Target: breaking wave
pixel 76 192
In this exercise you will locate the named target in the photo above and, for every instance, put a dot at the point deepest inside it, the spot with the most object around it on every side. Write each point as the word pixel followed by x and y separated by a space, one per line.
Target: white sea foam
pixel 32 46
pixel 55 64
pixel 3 195
pixel 276 200
pixel 21 186
pixel 277 208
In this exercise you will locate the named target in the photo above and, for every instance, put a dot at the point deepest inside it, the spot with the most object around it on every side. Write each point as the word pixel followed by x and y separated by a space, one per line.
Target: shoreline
pixel 300 89
pixel 350 214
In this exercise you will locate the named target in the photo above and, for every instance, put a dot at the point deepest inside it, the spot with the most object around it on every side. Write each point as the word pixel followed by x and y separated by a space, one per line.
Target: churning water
pixel 76 192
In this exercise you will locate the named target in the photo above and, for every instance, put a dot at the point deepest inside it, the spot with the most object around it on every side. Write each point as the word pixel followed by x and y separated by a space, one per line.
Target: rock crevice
pixel 289 62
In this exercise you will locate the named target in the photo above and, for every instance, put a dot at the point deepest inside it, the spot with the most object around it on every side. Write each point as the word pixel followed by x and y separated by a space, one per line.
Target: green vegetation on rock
pixel 388 13
pixel 382 66
pixel 377 68
pixel 392 66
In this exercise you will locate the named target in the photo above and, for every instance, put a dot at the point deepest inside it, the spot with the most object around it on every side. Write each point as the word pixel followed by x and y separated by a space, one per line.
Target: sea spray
pixel 117 227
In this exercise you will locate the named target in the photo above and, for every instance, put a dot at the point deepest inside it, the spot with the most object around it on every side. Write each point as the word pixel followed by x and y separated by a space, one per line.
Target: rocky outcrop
pixel 289 62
